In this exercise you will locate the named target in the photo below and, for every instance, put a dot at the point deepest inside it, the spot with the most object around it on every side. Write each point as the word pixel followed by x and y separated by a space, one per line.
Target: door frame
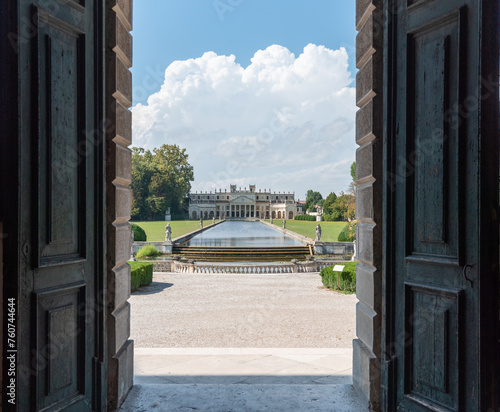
pixel 9 168
pixel 488 265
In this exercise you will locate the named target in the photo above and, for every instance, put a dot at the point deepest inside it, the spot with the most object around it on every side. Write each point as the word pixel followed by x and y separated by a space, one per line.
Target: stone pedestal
pixel 166 247
pixel 319 248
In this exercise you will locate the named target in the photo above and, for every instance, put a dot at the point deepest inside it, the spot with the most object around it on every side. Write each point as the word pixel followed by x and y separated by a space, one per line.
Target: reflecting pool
pixel 242 234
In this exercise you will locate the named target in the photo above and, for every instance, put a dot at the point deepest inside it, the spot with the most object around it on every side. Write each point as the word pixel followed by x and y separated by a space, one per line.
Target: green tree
pixel 353 171
pixel 160 180
pixel 328 208
pixel 312 198
pixel 329 201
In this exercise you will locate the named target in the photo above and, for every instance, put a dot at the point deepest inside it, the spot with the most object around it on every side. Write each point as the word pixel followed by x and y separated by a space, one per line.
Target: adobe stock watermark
pixel 252 147
pixel 222 7
pixel 30 27
pixel 454 118
pixel 151 82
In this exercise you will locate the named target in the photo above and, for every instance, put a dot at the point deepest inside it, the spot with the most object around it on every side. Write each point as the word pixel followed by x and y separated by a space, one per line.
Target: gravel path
pixel 258 311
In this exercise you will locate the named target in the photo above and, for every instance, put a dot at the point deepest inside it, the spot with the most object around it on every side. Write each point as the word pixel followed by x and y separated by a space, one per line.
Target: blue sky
pixel 168 30
pixel 177 30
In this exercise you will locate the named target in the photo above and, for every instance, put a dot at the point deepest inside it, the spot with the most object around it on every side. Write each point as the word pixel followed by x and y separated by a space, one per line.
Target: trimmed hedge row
pixel 348 233
pixel 139 233
pixel 141 274
pixel 305 217
pixel 347 279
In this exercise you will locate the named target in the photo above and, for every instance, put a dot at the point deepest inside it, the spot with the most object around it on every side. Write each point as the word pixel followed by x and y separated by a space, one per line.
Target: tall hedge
pixel 305 217
pixel 141 274
pixel 139 233
pixel 348 233
pixel 346 281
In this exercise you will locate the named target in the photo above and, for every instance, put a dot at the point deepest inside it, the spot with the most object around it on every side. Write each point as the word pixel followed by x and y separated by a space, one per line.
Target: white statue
pixel 168 233
pixel 132 257
pixel 354 257
pixel 213 220
pixel 318 233
pixel 271 220
pixel 284 224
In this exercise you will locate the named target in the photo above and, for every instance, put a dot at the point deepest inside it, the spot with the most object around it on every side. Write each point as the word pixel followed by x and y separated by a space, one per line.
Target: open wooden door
pixel 441 205
pixel 52 202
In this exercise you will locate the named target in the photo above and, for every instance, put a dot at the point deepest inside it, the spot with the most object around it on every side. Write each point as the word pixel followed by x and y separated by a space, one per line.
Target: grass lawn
pixel 155 231
pixel 329 230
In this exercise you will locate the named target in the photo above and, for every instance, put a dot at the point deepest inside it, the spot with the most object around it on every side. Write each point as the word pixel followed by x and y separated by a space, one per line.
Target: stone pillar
pixel 369 60
pixel 118 95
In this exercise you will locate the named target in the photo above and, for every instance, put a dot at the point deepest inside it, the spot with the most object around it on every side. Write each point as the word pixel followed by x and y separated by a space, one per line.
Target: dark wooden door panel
pixel 62 176
pixel 60 345
pixel 437 205
pixel 433 138
pixel 61 120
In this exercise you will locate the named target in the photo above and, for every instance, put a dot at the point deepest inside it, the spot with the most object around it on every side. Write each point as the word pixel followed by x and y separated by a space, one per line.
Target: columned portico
pixel 244 203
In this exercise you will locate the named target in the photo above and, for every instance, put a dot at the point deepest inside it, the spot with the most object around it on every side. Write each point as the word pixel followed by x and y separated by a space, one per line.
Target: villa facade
pixel 238 203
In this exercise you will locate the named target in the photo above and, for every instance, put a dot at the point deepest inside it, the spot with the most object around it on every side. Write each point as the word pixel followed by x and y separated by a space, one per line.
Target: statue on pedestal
pixel 213 220
pixel 168 233
pixel 271 220
pixel 354 257
pixel 201 223
pixel 318 233
pixel 132 257
pixel 284 224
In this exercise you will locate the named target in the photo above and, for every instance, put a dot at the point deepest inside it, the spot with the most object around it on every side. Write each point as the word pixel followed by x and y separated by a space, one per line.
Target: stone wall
pixel 118 95
pixel 369 61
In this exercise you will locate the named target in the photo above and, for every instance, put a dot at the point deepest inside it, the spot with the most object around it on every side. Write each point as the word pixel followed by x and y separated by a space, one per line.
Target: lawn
pixel 155 231
pixel 329 230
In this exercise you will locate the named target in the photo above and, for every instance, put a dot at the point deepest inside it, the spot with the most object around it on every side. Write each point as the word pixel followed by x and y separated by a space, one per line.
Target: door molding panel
pixel 433 315
pixel 60 162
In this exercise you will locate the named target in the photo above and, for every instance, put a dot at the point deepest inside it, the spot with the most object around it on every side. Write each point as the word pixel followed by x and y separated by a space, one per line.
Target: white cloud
pixel 284 122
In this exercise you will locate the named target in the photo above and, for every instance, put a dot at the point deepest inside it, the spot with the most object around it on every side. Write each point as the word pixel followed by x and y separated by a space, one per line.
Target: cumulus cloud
pixel 284 122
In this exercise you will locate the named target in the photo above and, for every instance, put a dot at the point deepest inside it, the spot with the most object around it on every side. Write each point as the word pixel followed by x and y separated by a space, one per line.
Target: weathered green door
pixel 441 204
pixel 59 229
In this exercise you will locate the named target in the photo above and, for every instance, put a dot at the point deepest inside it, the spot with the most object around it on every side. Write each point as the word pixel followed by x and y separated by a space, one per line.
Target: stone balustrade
pixel 186 267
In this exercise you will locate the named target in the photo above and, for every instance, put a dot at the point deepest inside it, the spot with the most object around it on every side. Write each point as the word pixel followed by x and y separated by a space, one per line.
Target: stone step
pixel 234 254
pixel 242 398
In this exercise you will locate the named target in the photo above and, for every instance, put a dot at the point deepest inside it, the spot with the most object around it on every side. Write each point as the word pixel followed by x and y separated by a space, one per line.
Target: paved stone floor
pixel 241 310
pixel 241 379
pixel 243 366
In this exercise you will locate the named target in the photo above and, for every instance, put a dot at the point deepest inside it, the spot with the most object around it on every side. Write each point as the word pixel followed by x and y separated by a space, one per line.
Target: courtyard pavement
pixel 242 343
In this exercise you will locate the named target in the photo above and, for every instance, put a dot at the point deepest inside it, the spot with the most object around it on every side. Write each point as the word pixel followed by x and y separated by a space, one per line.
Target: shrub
pixel 346 281
pixel 333 217
pixel 141 274
pixel 348 233
pixel 139 233
pixel 305 217
pixel 147 251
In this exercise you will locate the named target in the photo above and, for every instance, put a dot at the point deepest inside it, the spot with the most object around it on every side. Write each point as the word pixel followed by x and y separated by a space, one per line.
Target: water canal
pixel 242 234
